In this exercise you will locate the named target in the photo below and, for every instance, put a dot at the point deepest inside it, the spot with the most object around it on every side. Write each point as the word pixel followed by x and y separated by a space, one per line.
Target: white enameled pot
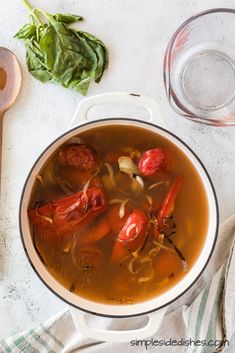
pixel 154 308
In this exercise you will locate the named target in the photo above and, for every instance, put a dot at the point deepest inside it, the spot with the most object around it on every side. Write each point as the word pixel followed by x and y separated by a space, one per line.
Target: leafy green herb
pixel 57 53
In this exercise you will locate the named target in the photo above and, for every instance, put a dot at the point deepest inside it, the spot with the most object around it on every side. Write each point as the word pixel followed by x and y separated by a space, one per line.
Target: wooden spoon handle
pixel 1 135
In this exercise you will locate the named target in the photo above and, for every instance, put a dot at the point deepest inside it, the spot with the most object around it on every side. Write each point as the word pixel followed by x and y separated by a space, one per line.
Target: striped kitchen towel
pixel 201 321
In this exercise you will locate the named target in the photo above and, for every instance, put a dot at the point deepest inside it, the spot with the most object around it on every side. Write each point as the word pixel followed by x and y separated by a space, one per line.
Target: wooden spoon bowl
pixel 10 83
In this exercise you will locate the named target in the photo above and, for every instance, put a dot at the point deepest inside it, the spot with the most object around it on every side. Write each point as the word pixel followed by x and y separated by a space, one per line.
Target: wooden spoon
pixel 10 83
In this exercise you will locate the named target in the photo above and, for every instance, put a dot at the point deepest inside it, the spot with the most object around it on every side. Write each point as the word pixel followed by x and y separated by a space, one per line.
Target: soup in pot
pixel 118 214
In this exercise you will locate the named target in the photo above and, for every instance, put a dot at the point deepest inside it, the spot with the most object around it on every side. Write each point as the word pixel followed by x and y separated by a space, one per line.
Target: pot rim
pixel 88 123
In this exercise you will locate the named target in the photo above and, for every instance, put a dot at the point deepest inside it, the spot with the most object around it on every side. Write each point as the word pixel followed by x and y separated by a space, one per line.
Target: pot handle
pixel 81 113
pixel 153 324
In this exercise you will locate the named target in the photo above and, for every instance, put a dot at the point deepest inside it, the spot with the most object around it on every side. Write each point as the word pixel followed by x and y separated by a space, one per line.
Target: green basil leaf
pixel 36 64
pixel 101 53
pixel 71 61
pixel 66 18
pixel 28 31
pixel 57 53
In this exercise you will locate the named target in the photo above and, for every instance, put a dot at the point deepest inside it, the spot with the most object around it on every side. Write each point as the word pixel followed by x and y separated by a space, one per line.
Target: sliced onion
pixel 48 219
pixel 185 265
pixel 126 241
pixel 132 151
pixel 161 237
pixel 153 220
pixel 129 229
pixel 111 175
pixel 112 201
pixel 49 175
pixel 149 199
pixel 159 183
pixel 135 253
pixel 145 259
pixel 135 153
pixel 140 181
pixel 169 222
pixel 39 177
pixel 86 186
pixel 71 208
pixel 67 247
pixel 137 184
pixel 130 266
pixel 122 208
pixel 164 247
pixel 142 261
pixel 75 140
pixel 153 252
pixel 126 165
pixel 146 278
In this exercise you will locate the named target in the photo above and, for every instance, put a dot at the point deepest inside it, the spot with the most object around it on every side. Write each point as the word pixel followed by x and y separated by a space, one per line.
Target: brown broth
pixel 113 283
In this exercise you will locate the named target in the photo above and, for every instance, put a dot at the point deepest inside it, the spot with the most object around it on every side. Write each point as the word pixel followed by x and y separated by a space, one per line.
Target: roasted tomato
pixel 64 214
pixel 151 161
pixel 116 223
pixel 95 232
pixel 132 235
pixel 168 204
pixel 78 156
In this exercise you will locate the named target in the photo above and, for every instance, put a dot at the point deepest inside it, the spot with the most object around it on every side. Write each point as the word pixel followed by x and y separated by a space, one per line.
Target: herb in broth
pixel 118 234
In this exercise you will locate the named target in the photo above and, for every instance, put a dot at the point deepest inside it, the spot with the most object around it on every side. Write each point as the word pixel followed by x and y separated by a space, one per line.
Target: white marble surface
pixel 136 33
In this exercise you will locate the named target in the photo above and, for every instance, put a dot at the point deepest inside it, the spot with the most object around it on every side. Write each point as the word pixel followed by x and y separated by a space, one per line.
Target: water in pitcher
pixel 207 77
